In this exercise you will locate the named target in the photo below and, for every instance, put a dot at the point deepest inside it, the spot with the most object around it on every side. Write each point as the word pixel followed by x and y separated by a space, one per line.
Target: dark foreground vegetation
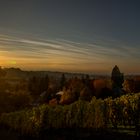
pixel 42 106
pixel 98 115
pixel 68 134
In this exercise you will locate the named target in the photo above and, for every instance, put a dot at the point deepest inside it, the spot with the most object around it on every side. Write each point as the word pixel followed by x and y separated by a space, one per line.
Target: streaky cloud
pixel 66 53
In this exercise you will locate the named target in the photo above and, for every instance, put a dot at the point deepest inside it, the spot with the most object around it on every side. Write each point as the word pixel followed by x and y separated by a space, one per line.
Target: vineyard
pixel 97 114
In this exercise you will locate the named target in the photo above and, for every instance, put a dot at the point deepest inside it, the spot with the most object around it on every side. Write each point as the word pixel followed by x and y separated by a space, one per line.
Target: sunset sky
pixel 70 35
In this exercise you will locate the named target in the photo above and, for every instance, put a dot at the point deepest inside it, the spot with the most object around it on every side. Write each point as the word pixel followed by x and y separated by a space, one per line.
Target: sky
pixel 70 35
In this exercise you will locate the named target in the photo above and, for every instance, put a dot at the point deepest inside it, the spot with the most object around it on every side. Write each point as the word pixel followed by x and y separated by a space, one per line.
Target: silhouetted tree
pixel 62 81
pixel 117 80
pixel 44 84
pixel 86 80
pixel 33 85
